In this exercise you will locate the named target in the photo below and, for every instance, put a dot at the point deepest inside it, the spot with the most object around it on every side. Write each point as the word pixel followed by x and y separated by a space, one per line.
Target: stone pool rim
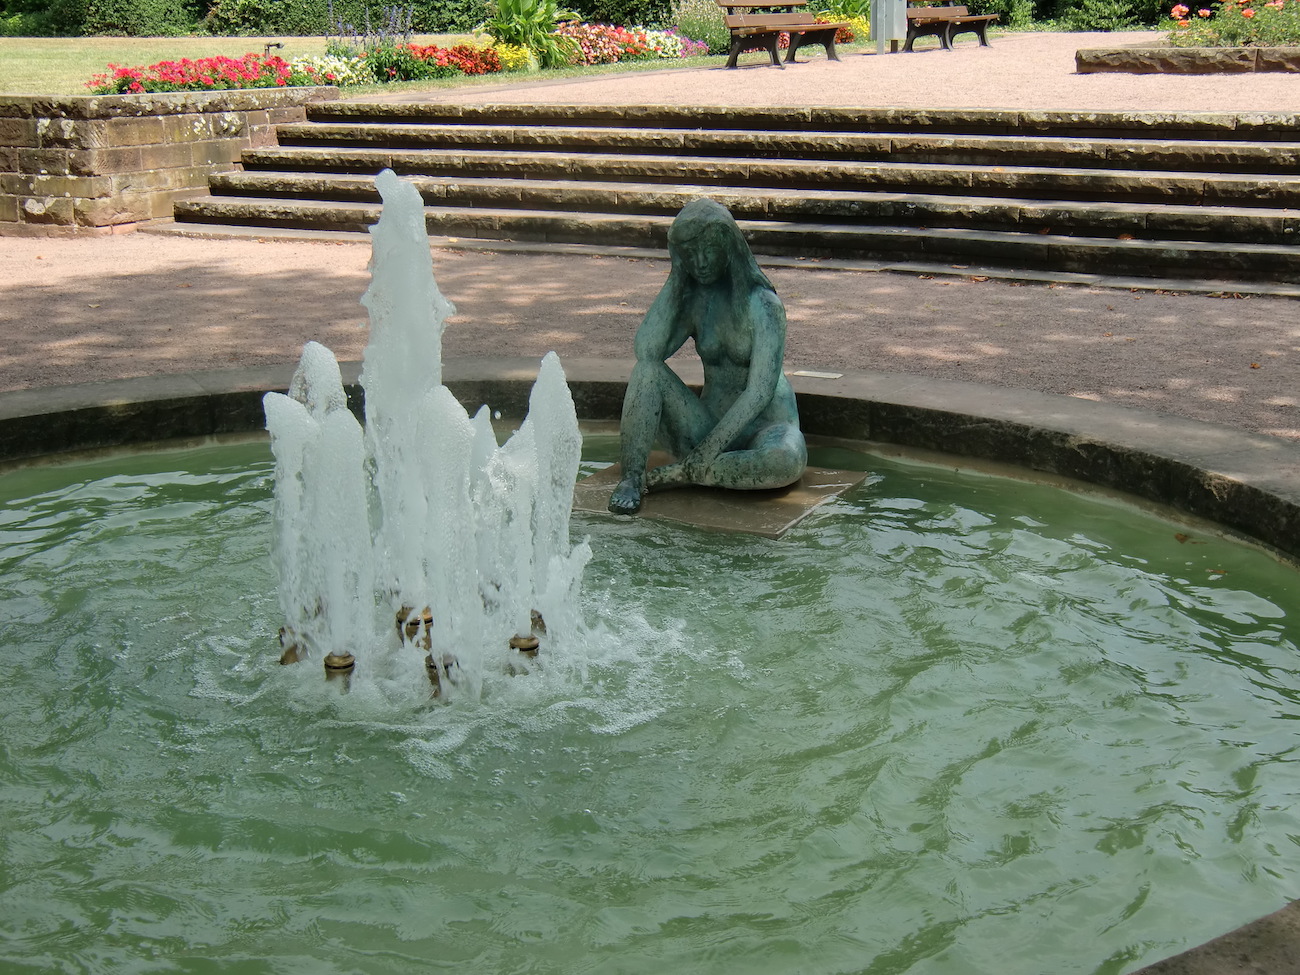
pixel 1246 483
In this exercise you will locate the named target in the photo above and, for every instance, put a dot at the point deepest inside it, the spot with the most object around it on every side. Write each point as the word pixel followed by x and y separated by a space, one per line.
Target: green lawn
pixel 62 66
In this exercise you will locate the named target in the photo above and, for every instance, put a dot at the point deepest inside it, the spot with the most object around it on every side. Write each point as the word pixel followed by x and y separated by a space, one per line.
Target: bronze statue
pixel 742 431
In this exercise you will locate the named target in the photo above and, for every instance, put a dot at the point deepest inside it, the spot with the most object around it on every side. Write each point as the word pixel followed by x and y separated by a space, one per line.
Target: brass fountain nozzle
pixel 441 671
pixel 409 626
pixel 527 645
pixel 292 647
pixel 339 666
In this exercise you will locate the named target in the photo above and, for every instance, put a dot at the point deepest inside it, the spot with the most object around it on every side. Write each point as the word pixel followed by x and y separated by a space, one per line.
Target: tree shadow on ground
pixel 101 310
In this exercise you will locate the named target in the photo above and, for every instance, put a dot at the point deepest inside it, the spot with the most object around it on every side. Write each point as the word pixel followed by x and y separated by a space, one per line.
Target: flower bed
pixel 607 44
pixel 204 74
pixel 379 63
pixel 1237 23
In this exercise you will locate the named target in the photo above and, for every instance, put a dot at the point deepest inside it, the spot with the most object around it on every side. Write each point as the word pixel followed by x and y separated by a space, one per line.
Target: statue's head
pixel 705 243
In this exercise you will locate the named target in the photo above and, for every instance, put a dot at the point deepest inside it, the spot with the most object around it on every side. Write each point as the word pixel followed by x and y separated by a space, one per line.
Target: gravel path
pixel 1018 71
pixel 77 310
pixel 138 304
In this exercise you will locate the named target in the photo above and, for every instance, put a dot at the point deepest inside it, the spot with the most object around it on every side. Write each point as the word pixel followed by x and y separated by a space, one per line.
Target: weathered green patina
pixel 742 431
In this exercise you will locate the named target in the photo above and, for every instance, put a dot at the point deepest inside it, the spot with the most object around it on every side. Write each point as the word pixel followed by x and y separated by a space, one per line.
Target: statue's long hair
pixel 696 218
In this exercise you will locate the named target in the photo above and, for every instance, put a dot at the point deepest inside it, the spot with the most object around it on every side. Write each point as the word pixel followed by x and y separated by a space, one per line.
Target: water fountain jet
pixel 420 507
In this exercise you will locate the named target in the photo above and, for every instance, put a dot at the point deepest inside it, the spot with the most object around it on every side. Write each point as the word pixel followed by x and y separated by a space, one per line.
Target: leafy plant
pixel 702 20
pixel 531 24
pixel 834 10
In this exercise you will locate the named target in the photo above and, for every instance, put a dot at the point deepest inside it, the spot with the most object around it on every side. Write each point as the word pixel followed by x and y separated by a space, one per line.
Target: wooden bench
pixel 945 22
pixel 757 25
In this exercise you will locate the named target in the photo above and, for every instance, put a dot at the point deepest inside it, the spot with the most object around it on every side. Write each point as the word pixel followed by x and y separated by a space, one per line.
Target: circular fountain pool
pixel 950 724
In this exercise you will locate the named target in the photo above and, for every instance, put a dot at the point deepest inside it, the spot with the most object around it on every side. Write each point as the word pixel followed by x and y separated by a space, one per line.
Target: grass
pixel 62 66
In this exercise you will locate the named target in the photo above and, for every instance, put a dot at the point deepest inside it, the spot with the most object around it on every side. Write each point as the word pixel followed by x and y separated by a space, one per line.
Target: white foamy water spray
pixel 421 508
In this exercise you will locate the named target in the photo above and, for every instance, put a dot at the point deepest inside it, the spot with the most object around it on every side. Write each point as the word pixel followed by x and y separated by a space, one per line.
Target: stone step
pixel 809 239
pixel 1248 127
pixel 1128 154
pixel 1171 221
pixel 1023 182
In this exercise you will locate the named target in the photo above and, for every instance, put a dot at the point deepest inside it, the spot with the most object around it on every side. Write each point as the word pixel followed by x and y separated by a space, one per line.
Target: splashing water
pixel 421 508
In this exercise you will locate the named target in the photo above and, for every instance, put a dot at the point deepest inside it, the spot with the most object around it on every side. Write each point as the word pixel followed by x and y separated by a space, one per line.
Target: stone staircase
pixel 1137 194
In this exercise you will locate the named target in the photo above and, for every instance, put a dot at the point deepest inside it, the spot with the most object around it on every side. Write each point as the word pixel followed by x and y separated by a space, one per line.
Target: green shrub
pixel 236 17
pixel 323 17
pixel 39 18
pixel 142 18
pixel 625 13
pixel 1105 15
pixel 1012 14
pixel 702 20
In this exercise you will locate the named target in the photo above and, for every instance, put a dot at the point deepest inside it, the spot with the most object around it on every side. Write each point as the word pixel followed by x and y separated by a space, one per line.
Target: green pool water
pixel 951 724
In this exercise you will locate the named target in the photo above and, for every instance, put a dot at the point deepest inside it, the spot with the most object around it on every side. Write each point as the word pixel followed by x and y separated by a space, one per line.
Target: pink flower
pixel 1248 13
pixel 1202 12
pixel 1179 11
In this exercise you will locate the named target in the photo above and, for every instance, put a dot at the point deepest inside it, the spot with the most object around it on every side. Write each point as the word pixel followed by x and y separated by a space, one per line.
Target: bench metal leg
pixel 825 38
pixel 768 42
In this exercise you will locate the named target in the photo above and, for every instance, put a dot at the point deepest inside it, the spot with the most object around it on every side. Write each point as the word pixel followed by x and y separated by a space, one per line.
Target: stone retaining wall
pixel 100 163
pixel 1187 60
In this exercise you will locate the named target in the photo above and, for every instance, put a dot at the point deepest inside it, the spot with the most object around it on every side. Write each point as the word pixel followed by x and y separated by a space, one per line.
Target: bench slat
pixel 751 5
pixel 742 21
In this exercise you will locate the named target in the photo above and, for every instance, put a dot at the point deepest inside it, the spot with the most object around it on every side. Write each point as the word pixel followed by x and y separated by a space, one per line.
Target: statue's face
pixel 704 256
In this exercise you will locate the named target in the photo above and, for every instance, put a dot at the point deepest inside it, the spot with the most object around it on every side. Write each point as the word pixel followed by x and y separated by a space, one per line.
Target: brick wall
pixel 100 163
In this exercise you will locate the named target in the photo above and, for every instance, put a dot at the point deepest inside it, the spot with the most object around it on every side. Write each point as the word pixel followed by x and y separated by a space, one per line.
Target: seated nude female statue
pixel 742 431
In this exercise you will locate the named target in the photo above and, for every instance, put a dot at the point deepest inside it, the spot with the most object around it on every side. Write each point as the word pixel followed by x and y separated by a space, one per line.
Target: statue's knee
pixel 789 460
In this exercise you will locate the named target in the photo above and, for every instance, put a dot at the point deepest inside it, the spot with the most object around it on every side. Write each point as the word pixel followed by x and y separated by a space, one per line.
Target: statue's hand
pixel 669 475
pixel 691 470
pixel 697 467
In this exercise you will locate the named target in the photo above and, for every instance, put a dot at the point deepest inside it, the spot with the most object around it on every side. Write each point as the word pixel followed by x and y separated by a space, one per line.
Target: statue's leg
pixel 657 402
pixel 775 457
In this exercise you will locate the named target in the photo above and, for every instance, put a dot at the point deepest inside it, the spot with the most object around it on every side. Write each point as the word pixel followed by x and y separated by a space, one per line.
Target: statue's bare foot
pixel 626 499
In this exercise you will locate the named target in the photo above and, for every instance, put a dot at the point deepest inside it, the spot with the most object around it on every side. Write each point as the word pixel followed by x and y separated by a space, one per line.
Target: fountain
pixel 952 723
pixel 422 508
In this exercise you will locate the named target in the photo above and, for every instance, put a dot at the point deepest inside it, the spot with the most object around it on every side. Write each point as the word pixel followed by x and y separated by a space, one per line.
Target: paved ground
pixel 1023 71
pixel 116 307
pixel 76 310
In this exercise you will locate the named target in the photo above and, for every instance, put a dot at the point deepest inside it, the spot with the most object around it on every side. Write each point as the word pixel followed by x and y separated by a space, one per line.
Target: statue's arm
pixel 765 364
pixel 662 332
